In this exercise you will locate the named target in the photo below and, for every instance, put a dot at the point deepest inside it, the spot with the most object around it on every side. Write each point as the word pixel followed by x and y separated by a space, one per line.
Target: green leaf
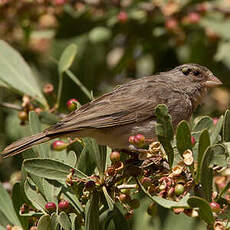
pixel 202 123
pixel 50 169
pixel 164 202
pixel 92 213
pixel 204 143
pixel 205 211
pixel 99 34
pixel 215 131
pixel 97 152
pixel 34 196
pixel 109 200
pixel 183 137
pixel 119 220
pixel 164 130
pixel 7 208
pixel 17 75
pixel 44 223
pixel 4 220
pixel 48 118
pixel 51 190
pixel 54 221
pixel 64 221
pixel 226 126
pixel 18 200
pixel 35 126
pixel 219 155
pixel 67 58
pixel 73 219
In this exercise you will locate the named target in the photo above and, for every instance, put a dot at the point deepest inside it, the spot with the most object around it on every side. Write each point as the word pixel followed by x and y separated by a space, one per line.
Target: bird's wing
pixel 129 103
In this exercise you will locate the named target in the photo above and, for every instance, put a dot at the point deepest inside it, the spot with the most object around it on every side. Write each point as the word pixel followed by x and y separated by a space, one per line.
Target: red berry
pixel 72 104
pixel 8 227
pixel 139 139
pixel 171 24
pixel 193 140
pixel 63 205
pixel 122 17
pixel 50 207
pixel 193 17
pixel 215 206
pixel 59 145
pixel 115 156
pixel 60 2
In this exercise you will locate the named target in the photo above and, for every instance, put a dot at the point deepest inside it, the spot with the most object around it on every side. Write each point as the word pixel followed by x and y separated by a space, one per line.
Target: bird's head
pixel 195 80
pixel 199 75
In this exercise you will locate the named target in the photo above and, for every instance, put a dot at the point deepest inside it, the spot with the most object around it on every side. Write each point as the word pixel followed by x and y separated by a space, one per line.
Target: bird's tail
pixel 24 144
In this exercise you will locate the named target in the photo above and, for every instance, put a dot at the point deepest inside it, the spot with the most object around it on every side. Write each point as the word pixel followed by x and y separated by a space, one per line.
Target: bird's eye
pixel 185 70
pixel 196 72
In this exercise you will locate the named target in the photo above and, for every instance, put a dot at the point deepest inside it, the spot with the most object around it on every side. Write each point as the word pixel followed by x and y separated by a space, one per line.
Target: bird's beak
pixel 212 81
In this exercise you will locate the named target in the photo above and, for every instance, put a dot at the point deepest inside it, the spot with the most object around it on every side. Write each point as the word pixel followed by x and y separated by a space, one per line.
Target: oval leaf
pixel 44 223
pixel 17 75
pixel 50 169
pixel 205 211
pixel 183 137
pixel 64 221
pixel 202 123
pixel 67 58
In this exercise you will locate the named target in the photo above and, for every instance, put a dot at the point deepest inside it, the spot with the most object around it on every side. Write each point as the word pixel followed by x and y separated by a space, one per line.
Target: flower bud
pixel 50 207
pixel 72 104
pixel 193 140
pixel 124 198
pixel 59 145
pixel 122 17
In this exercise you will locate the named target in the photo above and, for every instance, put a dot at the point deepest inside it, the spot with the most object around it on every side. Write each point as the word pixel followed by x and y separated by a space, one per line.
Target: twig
pixel 10 106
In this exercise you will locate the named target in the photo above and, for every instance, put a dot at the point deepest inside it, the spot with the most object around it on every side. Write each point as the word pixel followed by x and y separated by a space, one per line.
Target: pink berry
pixel 193 17
pixel 193 140
pixel 59 145
pixel 215 206
pixel 72 104
pixel 139 139
pixel 171 24
pixel 122 17
pixel 50 207
pixel 215 120
pixel 131 139
pixel 59 2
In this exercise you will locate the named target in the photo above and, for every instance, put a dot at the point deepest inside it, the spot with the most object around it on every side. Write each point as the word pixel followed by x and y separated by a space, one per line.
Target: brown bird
pixel 129 109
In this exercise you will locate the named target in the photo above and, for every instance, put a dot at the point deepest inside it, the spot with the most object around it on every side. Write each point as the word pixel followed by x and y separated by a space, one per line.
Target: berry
pixel 122 17
pixel 48 88
pixel 193 17
pixel 63 205
pixel 90 185
pixel 124 198
pixel 72 104
pixel 59 145
pixel 139 139
pixel 131 139
pixel 179 189
pixel 115 156
pixel 215 206
pixel 23 115
pixel 171 24
pixel 50 207
pixel 193 140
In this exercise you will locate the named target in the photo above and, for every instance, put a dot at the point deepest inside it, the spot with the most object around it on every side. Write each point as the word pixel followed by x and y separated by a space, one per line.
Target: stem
pixel 127 186
pixel 59 89
pixel 10 106
pixel 81 86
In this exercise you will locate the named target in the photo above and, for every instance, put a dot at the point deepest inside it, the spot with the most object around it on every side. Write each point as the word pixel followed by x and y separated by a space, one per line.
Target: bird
pixel 130 109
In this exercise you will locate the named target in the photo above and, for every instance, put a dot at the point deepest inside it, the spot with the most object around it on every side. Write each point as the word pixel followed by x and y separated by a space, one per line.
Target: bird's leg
pixel 132 148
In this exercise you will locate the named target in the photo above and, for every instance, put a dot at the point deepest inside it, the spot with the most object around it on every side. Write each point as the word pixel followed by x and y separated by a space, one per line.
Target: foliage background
pixel 116 41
